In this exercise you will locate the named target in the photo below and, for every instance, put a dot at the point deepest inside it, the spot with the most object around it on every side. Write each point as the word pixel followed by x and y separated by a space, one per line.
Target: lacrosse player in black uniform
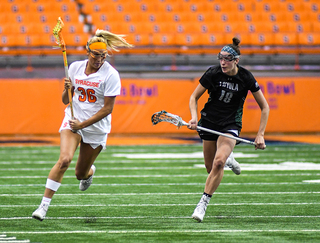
pixel 227 85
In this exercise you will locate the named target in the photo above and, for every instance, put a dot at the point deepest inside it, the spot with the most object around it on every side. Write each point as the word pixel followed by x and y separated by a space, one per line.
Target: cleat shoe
pixel 41 212
pixel 200 210
pixel 85 184
pixel 233 164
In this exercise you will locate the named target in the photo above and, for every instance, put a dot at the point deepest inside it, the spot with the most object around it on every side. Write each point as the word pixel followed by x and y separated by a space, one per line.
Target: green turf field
pixel 148 193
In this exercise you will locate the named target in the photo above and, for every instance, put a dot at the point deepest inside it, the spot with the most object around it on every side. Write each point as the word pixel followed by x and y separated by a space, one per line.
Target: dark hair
pixel 235 45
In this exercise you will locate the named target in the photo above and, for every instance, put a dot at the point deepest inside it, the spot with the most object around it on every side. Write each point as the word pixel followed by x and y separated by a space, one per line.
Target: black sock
pixel 207 195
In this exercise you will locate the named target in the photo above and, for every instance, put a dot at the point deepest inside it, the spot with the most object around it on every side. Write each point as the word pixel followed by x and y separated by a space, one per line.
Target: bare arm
pixel 264 107
pixel 193 105
pixel 102 113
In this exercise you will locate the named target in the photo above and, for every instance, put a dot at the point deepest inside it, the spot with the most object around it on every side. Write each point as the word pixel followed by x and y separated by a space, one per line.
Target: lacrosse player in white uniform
pixel 94 84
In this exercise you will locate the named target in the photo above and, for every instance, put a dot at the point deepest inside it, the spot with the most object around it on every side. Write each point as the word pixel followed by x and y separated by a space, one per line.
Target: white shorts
pixel 95 140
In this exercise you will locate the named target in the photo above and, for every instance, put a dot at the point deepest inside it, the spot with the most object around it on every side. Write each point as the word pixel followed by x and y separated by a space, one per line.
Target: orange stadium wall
pixel 34 106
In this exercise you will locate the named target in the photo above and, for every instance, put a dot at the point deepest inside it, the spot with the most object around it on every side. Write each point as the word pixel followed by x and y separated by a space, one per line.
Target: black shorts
pixel 232 129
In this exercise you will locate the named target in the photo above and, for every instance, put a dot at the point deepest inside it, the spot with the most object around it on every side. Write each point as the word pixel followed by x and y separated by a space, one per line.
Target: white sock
pixel 46 200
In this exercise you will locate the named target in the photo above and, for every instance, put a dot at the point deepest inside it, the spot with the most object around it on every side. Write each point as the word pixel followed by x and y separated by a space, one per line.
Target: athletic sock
pixel 205 198
pixel 46 200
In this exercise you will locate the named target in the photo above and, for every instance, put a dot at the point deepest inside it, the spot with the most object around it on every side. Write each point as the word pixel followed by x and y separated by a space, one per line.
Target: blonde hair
pixel 112 41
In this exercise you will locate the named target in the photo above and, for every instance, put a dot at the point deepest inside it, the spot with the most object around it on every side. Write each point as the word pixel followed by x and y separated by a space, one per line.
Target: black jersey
pixel 226 95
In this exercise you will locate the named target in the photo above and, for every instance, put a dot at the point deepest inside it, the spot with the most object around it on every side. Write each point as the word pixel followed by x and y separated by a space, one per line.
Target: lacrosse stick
pixel 60 41
pixel 177 121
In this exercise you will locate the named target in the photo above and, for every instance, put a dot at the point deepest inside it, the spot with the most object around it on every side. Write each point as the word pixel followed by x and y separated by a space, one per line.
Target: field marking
pixel 107 161
pixel 57 232
pixel 163 184
pixel 311 181
pixel 147 176
pixel 206 231
pixel 167 217
pixel 11 239
pixel 105 176
pixel 149 161
pixel 154 194
pixel 284 166
pixel 159 205
pixel 196 155
pixel 161 231
pixel 106 168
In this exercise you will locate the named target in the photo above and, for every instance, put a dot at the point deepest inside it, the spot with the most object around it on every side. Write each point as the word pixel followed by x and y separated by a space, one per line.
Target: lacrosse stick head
pixel 58 35
pixel 167 117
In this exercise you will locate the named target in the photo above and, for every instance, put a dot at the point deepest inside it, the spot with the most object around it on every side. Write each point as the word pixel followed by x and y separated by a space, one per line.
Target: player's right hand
pixel 192 124
pixel 67 83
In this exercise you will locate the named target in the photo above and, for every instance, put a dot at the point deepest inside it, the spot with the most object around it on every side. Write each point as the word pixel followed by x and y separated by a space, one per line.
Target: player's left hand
pixel 260 143
pixel 75 124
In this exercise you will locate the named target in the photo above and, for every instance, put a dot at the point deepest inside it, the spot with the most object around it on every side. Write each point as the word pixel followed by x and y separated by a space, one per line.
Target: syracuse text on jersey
pixel 87 83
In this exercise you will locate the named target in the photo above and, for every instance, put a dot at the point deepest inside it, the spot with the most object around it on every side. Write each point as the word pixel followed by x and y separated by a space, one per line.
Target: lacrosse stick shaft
pixel 59 39
pixel 221 134
pixel 64 53
pixel 226 135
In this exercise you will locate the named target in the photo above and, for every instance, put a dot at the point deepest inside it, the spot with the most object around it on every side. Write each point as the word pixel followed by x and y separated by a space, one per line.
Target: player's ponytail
pixel 113 41
pixel 235 45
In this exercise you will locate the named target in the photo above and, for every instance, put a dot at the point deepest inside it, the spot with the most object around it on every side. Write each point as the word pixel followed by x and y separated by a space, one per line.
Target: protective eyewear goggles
pixel 227 58
pixel 96 54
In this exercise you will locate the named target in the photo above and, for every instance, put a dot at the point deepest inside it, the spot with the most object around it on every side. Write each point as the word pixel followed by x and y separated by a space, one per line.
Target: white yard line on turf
pixel 107 161
pixel 160 205
pixel 175 155
pixel 153 194
pixel 149 161
pixel 106 168
pixel 162 184
pixel 166 217
pixel 57 232
pixel 171 176
pixel 106 176
pixel 13 240
pixel 283 166
pixel 311 181
pixel 159 231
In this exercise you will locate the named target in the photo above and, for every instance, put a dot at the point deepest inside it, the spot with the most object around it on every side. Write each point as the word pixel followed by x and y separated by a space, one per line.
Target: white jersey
pixel 90 91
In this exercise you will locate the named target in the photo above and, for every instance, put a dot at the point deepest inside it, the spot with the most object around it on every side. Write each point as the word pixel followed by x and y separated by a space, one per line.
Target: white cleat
pixel 233 164
pixel 200 211
pixel 85 184
pixel 41 212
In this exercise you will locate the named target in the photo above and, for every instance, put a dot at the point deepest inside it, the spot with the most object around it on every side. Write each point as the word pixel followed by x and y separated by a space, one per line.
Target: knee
pixel 64 163
pixel 218 163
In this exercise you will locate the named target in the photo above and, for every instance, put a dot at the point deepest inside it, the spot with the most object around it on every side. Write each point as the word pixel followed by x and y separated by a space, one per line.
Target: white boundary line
pixel 285 166
pixel 163 184
pixel 154 194
pixel 159 205
pixel 183 175
pixel 165 217
pixel 109 168
pixel 107 161
pixel 152 161
pixel 158 231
